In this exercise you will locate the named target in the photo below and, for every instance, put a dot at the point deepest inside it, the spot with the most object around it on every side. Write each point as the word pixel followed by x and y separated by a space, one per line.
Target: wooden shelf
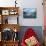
pixel 5 25
pixel 9 43
pixel 10 26
pixel 3 8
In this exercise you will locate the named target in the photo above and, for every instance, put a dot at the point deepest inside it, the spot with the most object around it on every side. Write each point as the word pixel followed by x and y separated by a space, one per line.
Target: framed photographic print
pixel 12 12
pixel 29 13
pixel 5 12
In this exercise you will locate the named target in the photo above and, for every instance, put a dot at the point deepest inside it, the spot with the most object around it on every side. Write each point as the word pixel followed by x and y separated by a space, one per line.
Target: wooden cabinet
pixel 5 26
pixel 10 43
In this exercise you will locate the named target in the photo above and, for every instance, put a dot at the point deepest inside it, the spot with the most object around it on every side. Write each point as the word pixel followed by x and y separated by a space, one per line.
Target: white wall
pixel 7 3
pixel 27 4
pixel 32 4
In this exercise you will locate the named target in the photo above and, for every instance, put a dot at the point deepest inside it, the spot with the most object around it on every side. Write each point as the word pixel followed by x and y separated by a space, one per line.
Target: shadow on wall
pixel 38 30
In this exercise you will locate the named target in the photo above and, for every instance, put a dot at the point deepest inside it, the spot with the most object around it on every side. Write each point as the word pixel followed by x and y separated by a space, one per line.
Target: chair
pixel 29 33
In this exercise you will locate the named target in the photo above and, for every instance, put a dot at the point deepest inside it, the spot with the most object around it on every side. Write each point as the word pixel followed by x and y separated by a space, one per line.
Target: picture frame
pixel 5 12
pixel 29 12
pixel 12 12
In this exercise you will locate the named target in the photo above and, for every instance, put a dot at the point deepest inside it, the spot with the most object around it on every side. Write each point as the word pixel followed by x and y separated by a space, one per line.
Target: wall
pixel 32 4
pixel 7 3
pixel 27 4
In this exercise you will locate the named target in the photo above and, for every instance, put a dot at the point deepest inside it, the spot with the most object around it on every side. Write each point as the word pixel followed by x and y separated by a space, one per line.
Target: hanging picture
pixel 29 13
pixel 5 12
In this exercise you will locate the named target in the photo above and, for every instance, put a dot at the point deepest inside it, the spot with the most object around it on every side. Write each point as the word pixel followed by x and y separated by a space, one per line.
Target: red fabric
pixel 29 33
